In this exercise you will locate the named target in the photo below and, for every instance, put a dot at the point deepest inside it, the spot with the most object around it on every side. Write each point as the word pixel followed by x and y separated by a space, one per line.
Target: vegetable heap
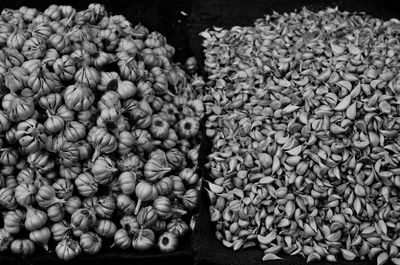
pixel 98 133
pixel 304 112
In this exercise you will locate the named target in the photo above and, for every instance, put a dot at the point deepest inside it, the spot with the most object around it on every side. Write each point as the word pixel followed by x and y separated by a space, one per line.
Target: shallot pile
pixel 98 133
pixel 304 112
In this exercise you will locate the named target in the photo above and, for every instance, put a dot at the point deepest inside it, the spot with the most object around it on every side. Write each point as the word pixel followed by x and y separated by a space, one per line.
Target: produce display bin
pixel 181 21
pixel 170 19
pixel 227 13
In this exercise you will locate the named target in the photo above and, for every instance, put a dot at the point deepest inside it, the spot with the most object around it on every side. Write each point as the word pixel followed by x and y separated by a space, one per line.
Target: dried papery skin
pixel 34 48
pixel 102 141
pixel 68 249
pixel 156 168
pixel 7 198
pixel 178 227
pixel 24 193
pixel 147 216
pixel 11 57
pixel 22 247
pixel 105 207
pixel 127 182
pixel 68 154
pixel 301 137
pixel 18 108
pixel 35 219
pixel 83 219
pixel 167 242
pixel 103 170
pixel 88 76
pixel 86 184
pixel 78 97
pixel 64 188
pixel 145 191
pixel 191 199
pixel 5 239
pixel 91 243
pixel 65 67
pixel 106 228
pixel 41 237
pixel 46 196
pixel 16 78
pixel 125 205
pixel 73 204
pixel 143 240
pixel 56 212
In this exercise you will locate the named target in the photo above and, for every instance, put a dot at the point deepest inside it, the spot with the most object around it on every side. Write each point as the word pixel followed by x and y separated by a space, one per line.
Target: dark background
pixel 181 21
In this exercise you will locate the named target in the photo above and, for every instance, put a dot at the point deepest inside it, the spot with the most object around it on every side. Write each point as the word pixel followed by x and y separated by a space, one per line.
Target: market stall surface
pixel 181 21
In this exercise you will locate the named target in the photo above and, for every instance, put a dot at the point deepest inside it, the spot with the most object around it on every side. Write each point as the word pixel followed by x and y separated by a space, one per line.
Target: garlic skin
pixel 22 247
pixel 122 239
pixel 41 237
pixel 143 240
pixel 91 243
pixel 167 242
pixel 5 239
pixel 35 219
pixel 68 249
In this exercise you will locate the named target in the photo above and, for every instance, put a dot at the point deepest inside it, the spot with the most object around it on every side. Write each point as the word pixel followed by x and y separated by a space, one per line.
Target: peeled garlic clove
pixel 295 151
pixel 347 254
pixel 270 256
pixel 331 99
pixel 206 35
pixel 280 137
pixel 337 49
pixel 336 129
pixel 324 75
pixel 238 244
pixel 382 258
pixel 331 258
pixel 350 78
pixel 385 107
pixel 351 112
pixel 268 238
pixel 344 103
pixel 289 109
pixel 265 160
pixel 360 145
pixel 368 230
pixel 215 188
pixel 266 180
pixel 353 49
pixel 227 243
pixel 373 252
pixel 290 144
pixel 273 250
pixel 334 237
pixel 276 164
pixel 293 160
pixel 313 257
